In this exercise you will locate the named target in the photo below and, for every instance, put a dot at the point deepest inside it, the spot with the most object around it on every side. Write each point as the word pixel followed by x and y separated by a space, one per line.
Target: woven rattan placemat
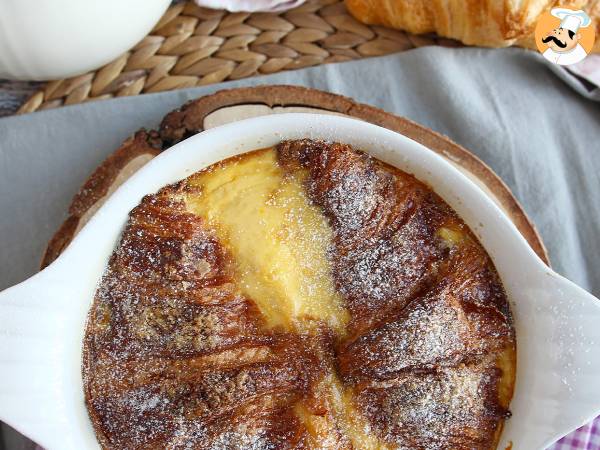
pixel 193 46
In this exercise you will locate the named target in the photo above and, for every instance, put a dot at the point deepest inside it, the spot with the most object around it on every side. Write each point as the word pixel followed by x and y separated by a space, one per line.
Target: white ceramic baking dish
pixel 42 319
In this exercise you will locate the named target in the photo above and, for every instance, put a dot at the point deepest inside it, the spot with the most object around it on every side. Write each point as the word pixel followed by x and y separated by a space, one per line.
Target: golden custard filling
pixel 279 241
pixel 277 237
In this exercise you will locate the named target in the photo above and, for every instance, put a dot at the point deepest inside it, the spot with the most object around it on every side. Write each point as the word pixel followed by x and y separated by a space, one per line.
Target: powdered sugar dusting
pixel 439 410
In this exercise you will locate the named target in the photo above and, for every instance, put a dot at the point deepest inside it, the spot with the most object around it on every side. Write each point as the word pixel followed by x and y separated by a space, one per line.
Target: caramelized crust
pixel 177 356
pixel 445 409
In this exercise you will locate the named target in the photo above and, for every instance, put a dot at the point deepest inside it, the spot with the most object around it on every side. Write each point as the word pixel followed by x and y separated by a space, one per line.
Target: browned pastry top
pixel 412 347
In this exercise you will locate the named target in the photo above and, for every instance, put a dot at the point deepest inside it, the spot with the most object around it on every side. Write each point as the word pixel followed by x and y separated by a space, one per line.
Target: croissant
pixel 488 23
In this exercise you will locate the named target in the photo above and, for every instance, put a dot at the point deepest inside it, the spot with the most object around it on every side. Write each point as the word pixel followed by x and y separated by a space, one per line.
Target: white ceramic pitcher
pixel 52 39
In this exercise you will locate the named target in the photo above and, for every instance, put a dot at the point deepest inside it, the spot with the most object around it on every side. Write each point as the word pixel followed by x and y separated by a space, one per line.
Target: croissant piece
pixel 487 23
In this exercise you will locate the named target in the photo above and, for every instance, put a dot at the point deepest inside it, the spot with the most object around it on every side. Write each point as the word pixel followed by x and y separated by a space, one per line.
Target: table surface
pixel 14 93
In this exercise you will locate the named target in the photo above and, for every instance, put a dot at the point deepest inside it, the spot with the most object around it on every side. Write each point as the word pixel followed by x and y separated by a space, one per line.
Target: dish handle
pixel 40 355
pixel 558 362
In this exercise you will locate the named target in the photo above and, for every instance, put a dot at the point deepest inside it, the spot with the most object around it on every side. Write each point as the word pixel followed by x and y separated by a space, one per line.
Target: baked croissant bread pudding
pixel 488 23
pixel 301 296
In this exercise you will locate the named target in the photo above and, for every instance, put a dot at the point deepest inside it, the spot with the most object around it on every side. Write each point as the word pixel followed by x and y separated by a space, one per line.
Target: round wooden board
pixel 235 104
